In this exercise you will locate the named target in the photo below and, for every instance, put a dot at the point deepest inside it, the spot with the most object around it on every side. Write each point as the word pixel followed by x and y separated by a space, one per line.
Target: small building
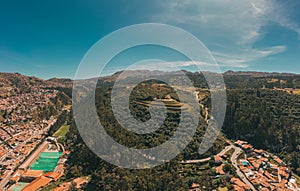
pixel 219 169
pixel 30 175
pixel 195 187
pixel 259 151
pixel 16 176
pixel 240 142
pixel 239 184
pixel 37 184
pixel 53 175
pixel 247 147
pixel 218 160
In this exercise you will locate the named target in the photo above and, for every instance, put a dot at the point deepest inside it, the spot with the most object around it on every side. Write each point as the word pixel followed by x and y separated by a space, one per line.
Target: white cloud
pixel 256 8
pixel 235 25
pixel 245 57
pixel 176 65
pixel 168 65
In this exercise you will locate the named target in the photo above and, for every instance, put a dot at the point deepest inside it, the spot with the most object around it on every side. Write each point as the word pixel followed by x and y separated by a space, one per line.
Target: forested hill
pixel 169 176
pixel 268 119
pixel 242 80
pixel 15 83
pixel 263 108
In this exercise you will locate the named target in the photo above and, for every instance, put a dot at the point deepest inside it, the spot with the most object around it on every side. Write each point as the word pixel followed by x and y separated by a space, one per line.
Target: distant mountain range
pixel 17 78
pixel 258 74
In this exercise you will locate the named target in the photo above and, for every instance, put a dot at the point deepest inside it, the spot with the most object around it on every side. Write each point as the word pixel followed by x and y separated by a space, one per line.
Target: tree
pixel 227 168
pixel 73 187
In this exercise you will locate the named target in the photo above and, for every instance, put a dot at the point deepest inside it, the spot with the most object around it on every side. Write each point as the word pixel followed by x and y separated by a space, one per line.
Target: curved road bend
pixel 225 150
pixel 235 155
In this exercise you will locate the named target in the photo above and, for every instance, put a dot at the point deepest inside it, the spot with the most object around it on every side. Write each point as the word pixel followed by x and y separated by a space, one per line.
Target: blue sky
pixel 49 38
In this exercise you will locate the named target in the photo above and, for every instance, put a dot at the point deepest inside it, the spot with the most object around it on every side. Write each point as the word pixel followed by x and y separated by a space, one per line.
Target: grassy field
pixel 272 80
pixel 223 189
pixel 297 91
pixel 62 131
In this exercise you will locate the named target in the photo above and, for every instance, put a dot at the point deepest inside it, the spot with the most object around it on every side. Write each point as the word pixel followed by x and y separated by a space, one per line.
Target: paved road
pixel 237 152
pixel 34 155
pixel 196 161
pixel 5 180
pixel 225 150
pixel 206 112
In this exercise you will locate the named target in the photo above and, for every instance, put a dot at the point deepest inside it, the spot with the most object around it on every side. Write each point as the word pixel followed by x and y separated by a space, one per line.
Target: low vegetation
pixel 62 131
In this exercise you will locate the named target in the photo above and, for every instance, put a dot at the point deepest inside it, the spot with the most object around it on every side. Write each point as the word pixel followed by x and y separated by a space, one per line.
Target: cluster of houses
pixel 77 182
pixel 237 183
pixel 20 132
pixel 256 169
pixel 36 179
pixel 264 170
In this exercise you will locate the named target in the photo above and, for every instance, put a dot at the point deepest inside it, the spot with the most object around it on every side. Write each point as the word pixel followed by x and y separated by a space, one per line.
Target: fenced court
pixel 46 162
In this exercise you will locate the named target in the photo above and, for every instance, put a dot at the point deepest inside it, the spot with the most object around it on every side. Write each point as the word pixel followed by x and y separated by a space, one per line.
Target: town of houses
pixel 21 131
pixel 265 170
pixel 260 170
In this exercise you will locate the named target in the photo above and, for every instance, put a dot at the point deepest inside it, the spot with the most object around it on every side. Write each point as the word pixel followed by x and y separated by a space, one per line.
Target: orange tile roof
pixel 251 159
pixel 37 184
pixel 53 175
pixel 240 142
pixel 33 173
pixel 265 184
pixel 238 182
pixel 217 158
pixel 63 187
pixel 260 151
pixel 79 182
pixel 279 185
pixel 264 159
pixel 195 185
pixel 247 187
pixel 268 175
pixel 247 146
pixel 278 160
pixel 237 188
pixel 16 176
pixel 255 164
pixel 219 169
